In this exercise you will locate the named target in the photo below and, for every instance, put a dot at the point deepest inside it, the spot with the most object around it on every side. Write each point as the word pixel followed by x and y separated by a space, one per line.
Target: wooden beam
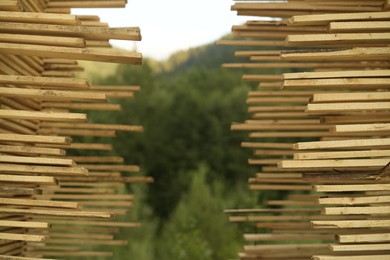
pixel 42 18
pixel 103 55
pixel 42 82
pixel 57 95
pixel 364 238
pixel 39 115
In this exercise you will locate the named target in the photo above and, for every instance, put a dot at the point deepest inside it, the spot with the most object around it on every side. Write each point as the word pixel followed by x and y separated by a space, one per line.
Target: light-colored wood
pixel 44 180
pixel 43 82
pixel 35 139
pixel 345 188
pixel 35 160
pixel 327 18
pixel 356 257
pixel 23 224
pixel 22 237
pixel 128 33
pixel 354 200
pixel 360 247
pixel 351 223
pixel 43 18
pixel 364 238
pixel 43 40
pixel 53 94
pixel 357 53
pixel 39 203
pixel 341 154
pixel 345 97
pixel 102 55
pixel 337 74
pixel 341 163
pixel 59 213
pixel 347 107
pixel 39 115
pixel 370 39
pixel 361 128
pixel 30 150
pixel 345 83
pixel 47 170
pixel 356 210
pixel 359 26
pixel 358 143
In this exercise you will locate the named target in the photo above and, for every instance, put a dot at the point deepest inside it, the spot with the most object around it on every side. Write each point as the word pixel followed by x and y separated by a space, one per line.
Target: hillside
pixel 186 106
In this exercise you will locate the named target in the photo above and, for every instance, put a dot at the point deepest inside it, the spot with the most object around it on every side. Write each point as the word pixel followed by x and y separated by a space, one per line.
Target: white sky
pixel 170 25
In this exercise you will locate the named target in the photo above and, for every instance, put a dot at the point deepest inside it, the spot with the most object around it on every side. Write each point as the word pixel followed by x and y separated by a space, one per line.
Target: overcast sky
pixel 170 25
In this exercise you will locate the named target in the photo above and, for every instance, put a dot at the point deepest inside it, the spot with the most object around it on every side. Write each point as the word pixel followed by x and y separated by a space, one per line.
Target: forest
pixel 186 105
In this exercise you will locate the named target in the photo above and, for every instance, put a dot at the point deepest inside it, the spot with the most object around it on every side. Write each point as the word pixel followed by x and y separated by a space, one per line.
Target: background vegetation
pixel 186 106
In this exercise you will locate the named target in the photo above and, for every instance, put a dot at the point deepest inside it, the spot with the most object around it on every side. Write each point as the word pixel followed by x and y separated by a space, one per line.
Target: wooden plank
pixel 103 55
pixel 377 223
pixel 368 210
pixel 283 247
pixel 342 163
pixel 109 167
pixel 359 26
pixel 24 224
pixel 36 160
pixel 283 237
pixel 357 53
pixel 350 97
pixel 360 247
pixel 93 32
pixel 35 139
pixel 294 6
pixel 22 237
pixel 364 238
pixel 57 95
pixel 354 200
pixel 324 19
pixel 259 127
pixel 341 154
pixel 82 106
pixel 75 253
pixel 43 82
pixel 30 150
pixel 43 18
pixel 39 203
pixel 356 187
pixel 94 223
pixel 337 39
pixel 361 128
pixel 39 115
pixel 266 145
pixel 11 5
pixel 356 257
pixel 357 143
pixel 344 83
pixel 116 127
pixel 48 170
pixel 43 40
pixel 87 4
pixel 347 107
pixel 59 213
pixel 337 74
pixel 44 180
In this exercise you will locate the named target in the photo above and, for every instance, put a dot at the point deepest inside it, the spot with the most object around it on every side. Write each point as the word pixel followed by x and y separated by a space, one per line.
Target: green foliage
pixel 187 117
pixel 186 106
pixel 197 229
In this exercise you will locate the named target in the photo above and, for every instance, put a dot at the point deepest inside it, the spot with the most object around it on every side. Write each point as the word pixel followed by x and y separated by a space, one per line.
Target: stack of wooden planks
pixel 53 204
pixel 319 127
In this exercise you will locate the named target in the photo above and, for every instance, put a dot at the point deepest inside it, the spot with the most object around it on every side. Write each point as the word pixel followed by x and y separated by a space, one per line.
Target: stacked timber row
pixel 319 128
pixel 53 204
